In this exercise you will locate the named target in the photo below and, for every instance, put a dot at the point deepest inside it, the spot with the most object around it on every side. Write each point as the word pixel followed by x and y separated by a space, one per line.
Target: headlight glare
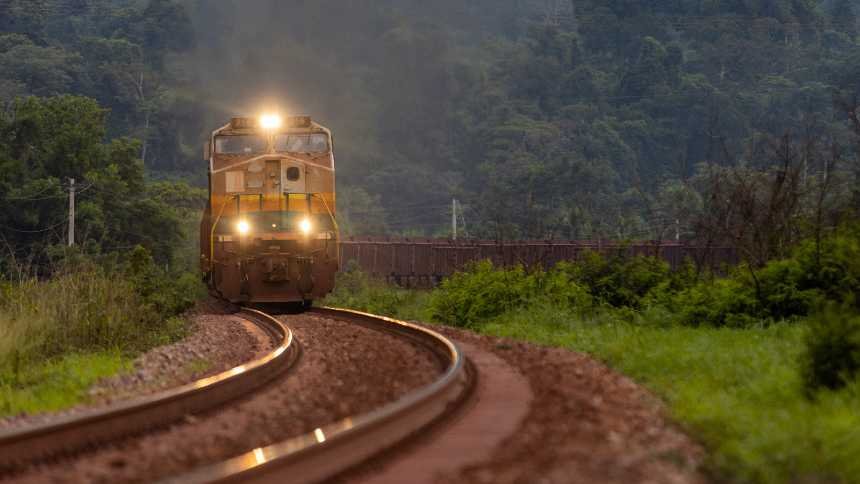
pixel 305 226
pixel 270 121
pixel 243 227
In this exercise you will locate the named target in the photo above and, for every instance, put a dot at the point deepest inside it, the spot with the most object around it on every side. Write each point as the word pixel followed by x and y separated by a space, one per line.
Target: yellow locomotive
pixel 269 232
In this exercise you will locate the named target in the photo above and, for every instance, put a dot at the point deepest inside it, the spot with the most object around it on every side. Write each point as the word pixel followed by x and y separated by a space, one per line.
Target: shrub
pixel 483 291
pixel 722 302
pixel 778 290
pixel 478 293
pixel 783 289
pixel 619 281
pixel 832 357
pixel 163 293
pixel 357 290
pixel 559 288
pixel 834 269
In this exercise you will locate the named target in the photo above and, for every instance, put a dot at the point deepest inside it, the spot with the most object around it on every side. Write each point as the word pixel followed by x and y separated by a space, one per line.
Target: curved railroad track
pixel 336 447
pixel 78 431
pixel 320 454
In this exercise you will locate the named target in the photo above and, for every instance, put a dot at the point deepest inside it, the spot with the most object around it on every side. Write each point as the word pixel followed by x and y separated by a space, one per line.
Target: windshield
pixel 301 143
pixel 240 145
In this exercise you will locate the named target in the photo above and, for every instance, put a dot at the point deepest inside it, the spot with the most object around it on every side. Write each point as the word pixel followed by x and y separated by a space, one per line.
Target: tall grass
pixel 355 290
pixel 83 311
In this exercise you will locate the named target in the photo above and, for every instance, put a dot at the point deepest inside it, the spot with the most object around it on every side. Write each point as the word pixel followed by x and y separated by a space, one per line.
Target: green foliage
pixel 45 141
pixel 619 281
pixel 480 292
pixel 357 290
pixel 831 267
pixel 114 52
pixel 718 303
pixel 56 384
pixel 164 294
pixel 815 272
pixel 483 291
pixel 546 122
pixel 832 357
pixel 86 308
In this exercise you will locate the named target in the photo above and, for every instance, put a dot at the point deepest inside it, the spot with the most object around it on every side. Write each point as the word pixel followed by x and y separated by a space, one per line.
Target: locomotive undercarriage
pixel 275 272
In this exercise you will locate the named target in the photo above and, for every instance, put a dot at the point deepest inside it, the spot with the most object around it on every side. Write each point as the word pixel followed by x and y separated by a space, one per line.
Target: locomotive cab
pixel 269 232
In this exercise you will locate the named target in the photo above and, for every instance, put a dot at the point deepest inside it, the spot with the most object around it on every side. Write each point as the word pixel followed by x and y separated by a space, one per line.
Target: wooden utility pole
pixel 71 212
pixel 454 218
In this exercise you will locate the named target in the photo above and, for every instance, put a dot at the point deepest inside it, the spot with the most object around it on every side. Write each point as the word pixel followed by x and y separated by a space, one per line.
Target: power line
pixel 37 198
pixel 35 231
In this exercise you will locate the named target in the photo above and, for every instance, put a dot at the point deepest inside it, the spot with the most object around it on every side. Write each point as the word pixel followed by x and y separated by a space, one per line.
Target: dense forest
pixel 544 118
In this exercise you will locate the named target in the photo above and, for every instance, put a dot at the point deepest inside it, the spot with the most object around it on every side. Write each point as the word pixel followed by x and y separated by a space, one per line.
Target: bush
pixel 478 293
pixel 483 291
pixel 832 357
pixel 834 269
pixel 783 289
pixel 619 281
pixel 164 294
pixel 356 290
pixel 722 302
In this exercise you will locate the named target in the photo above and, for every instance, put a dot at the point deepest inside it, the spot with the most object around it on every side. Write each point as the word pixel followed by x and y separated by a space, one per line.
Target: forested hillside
pixel 545 118
pixel 87 94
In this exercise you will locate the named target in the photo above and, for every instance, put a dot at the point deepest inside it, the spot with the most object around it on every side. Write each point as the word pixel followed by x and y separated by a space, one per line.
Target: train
pixel 269 230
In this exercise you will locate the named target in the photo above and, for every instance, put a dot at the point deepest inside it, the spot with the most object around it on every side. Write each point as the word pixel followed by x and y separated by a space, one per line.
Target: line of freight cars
pixel 412 262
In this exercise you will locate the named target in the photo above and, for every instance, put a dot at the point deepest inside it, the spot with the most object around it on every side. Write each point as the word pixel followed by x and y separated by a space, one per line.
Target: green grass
pixel 56 384
pixel 198 366
pixel 354 290
pixel 58 336
pixel 739 391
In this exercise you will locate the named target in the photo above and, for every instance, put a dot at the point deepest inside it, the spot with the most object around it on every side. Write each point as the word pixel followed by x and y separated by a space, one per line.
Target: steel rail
pixel 334 448
pixel 80 430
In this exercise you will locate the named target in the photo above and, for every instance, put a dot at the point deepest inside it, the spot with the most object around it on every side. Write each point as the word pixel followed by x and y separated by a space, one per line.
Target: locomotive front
pixel 269 232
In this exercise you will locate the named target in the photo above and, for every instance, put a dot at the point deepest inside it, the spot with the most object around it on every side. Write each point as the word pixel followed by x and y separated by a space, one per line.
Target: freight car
pixel 269 232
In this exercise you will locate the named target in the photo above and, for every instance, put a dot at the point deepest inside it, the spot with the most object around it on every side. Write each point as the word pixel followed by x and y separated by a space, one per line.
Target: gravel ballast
pixel 587 423
pixel 344 370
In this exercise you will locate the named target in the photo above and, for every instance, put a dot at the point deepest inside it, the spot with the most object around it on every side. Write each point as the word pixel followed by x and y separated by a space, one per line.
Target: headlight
pixel 270 121
pixel 243 227
pixel 305 226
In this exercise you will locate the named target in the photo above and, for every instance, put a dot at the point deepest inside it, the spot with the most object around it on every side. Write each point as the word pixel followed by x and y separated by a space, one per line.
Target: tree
pixel 844 17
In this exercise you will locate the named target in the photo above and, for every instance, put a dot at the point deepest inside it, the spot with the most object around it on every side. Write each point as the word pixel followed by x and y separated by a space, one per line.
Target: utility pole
pixel 454 218
pixel 71 212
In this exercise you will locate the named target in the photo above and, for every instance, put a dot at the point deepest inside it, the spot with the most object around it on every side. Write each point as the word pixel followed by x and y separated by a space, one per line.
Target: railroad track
pixel 320 454
pixel 334 448
pixel 81 430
